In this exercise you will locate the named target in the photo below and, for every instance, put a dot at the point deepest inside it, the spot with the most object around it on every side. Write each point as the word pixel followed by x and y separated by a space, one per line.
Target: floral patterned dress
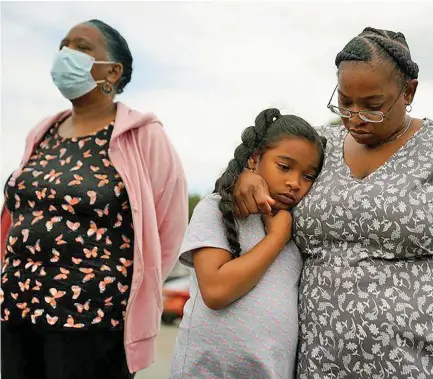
pixel 69 251
pixel 366 294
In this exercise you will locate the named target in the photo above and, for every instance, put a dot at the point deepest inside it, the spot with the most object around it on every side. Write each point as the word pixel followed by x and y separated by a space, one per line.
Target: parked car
pixel 175 294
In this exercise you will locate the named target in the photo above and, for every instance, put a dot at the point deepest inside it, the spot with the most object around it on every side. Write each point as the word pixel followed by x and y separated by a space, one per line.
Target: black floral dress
pixel 70 248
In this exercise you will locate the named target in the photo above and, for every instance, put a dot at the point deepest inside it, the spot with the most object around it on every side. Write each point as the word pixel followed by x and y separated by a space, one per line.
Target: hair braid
pixel 252 139
pixel 374 43
pixel 356 50
pixel 370 30
pixel 400 55
pixel 388 34
pixel 346 56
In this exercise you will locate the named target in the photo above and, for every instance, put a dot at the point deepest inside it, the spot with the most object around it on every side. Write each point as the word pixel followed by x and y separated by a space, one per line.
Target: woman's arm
pixel 172 214
pixel 170 192
pixel 6 221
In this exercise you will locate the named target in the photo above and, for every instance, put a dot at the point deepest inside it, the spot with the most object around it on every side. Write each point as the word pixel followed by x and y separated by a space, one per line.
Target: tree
pixel 192 202
pixel 336 122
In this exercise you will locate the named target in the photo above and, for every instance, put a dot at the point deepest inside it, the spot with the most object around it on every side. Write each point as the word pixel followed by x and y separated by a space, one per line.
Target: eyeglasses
pixel 367 116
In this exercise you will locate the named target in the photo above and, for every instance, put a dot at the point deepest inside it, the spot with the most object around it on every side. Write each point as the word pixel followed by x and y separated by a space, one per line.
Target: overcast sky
pixel 205 68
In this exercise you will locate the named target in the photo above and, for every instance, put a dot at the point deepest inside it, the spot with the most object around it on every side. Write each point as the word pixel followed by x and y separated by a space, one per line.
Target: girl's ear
pixel 252 162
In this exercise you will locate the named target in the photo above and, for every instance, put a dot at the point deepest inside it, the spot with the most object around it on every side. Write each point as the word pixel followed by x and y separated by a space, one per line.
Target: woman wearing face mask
pixel 91 226
pixel 365 297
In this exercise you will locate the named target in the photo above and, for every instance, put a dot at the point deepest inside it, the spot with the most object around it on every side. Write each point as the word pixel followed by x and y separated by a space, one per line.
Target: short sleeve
pixel 205 229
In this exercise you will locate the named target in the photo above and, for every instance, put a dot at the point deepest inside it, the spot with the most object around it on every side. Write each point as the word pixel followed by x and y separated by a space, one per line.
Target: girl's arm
pixel 222 280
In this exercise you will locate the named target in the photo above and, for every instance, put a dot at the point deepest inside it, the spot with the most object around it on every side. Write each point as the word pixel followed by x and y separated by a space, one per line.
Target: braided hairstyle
pixel 383 45
pixel 270 127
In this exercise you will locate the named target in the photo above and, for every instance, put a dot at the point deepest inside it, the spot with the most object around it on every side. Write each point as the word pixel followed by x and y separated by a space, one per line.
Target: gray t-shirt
pixel 257 335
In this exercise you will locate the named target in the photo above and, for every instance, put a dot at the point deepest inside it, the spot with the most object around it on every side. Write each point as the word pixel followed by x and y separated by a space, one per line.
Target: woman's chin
pixel 367 139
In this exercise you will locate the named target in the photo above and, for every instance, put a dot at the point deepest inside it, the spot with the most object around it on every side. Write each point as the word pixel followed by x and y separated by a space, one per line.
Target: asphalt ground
pixel 165 344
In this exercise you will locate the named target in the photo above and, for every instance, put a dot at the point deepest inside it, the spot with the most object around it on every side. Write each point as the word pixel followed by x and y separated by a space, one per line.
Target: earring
pixel 408 110
pixel 107 88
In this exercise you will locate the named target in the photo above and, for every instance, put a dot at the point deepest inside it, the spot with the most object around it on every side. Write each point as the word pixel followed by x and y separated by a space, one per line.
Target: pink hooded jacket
pixel 157 189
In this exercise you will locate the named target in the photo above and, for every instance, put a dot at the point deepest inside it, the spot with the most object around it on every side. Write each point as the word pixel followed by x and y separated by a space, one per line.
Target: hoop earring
pixel 408 110
pixel 107 88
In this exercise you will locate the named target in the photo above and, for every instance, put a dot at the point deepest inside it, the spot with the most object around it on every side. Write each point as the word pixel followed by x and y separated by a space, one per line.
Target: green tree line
pixel 192 201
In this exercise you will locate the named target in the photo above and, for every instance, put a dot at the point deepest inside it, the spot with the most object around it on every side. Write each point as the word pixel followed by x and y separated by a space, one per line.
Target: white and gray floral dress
pixel 366 294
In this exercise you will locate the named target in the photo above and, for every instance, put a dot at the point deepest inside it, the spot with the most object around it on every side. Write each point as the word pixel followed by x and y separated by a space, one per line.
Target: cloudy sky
pixel 205 68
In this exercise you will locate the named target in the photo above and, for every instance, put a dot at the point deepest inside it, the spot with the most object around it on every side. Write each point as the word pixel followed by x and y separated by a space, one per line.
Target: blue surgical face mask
pixel 71 73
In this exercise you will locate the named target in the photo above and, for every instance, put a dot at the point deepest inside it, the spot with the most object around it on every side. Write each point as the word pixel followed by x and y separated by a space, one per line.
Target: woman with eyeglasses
pixel 365 228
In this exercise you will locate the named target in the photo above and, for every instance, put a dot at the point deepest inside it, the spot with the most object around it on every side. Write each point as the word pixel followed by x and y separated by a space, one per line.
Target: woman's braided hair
pixel 270 127
pixel 382 44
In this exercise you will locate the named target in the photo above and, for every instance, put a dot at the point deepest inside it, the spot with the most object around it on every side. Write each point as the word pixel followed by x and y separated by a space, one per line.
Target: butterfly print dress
pixel 69 253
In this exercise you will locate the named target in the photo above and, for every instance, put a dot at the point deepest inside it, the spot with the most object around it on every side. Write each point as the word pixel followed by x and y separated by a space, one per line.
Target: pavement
pixel 165 343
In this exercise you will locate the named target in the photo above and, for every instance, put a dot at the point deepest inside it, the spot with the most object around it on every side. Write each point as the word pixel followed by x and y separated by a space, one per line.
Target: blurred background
pixel 206 69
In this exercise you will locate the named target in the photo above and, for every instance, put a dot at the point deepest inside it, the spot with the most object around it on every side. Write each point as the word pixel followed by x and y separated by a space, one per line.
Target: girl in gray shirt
pixel 241 320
